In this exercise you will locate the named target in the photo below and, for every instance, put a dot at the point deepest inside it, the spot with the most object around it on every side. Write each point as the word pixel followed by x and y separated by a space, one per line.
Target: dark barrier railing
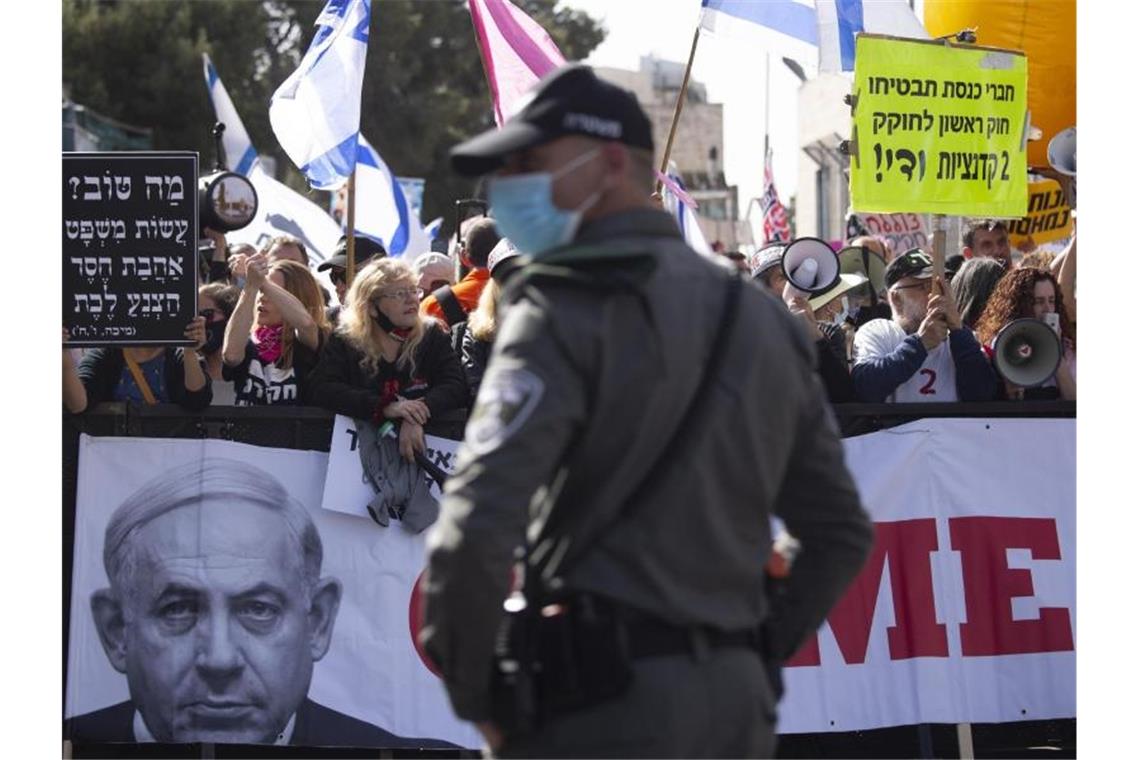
pixel 311 429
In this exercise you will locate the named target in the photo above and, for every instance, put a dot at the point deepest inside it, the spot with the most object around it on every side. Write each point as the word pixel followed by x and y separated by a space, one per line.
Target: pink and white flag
pixel 516 52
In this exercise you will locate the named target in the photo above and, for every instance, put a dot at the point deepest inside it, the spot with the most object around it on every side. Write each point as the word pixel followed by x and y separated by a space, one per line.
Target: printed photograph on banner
pixel 938 128
pixel 214 601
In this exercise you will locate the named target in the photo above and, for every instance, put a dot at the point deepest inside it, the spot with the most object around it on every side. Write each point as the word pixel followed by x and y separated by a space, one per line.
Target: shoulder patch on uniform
pixel 506 399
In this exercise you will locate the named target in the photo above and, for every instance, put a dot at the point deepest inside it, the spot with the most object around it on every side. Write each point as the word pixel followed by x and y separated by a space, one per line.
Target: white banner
pixel 347 488
pixel 966 611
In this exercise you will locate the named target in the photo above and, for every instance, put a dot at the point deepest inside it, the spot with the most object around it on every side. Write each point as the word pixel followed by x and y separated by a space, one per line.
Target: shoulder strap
pixel 450 305
pixel 140 380
pixel 672 448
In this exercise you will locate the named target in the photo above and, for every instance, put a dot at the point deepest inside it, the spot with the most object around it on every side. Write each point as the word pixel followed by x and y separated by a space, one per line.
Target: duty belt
pixel 654 638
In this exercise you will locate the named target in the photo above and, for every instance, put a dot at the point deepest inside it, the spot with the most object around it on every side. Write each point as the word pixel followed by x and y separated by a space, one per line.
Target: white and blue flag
pixel 280 210
pixel 383 211
pixel 681 206
pixel 811 31
pixel 240 154
pixel 431 229
pixel 315 113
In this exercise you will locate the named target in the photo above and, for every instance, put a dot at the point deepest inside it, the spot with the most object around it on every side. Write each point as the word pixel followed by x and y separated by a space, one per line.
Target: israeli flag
pixel 431 229
pixel 315 113
pixel 684 214
pixel 239 152
pixel 383 212
pixel 280 210
pixel 811 31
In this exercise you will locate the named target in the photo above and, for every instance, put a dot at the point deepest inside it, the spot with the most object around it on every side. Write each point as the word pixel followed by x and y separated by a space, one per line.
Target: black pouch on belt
pixel 584 654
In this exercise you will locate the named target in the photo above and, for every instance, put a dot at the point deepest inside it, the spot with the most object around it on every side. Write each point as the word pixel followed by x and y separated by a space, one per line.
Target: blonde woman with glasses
pixel 385 361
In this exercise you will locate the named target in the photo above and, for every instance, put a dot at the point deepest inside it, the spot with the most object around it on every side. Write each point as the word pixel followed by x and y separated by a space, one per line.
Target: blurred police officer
pixel 602 349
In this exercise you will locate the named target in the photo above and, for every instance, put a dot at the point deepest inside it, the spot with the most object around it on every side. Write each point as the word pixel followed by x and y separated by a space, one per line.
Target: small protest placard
pixel 902 232
pixel 1049 217
pixel 938 128
pixel 130 246
pixel 347 488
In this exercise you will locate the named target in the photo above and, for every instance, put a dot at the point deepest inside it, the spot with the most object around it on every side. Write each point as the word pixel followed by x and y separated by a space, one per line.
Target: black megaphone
pixel 810 265
pixel 1027 352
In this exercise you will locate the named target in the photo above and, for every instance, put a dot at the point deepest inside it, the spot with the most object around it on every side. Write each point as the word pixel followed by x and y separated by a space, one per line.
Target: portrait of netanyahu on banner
pixel 216 613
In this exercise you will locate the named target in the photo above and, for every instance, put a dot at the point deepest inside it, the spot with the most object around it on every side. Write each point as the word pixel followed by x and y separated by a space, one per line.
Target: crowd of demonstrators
pixel 385 361
pixel 1029 293
pixel 140 374
pixel 923 353
pixel 972 286
pixel 483 322
pixel 452 303
pixel 216 304
pixel 274 337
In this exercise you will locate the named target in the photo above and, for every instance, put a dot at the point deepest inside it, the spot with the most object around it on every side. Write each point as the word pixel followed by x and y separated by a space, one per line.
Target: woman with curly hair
pixel 1032 293
pixel 386 362
pixel 274 337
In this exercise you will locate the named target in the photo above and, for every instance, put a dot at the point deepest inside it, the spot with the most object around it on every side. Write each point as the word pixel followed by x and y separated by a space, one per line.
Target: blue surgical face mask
pixel 524 210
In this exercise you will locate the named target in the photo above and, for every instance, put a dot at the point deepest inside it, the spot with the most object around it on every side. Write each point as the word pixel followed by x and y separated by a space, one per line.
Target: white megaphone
pixel 1027 352
pixel 1063 152
pixel 810 265
pixel 1062 155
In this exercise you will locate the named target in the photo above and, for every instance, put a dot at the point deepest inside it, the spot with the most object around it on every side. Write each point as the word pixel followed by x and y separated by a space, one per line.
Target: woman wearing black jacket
pixel 385 361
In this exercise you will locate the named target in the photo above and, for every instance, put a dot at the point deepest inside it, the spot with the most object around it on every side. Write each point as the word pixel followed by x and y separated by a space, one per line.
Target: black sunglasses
pixel 209 314
pixel 338 276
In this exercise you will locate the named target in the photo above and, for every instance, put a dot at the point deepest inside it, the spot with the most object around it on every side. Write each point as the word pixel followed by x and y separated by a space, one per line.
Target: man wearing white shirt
pixel 923 353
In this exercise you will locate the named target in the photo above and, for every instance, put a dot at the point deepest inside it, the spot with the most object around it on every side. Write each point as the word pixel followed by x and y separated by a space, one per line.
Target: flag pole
pixel 677 110
pixel 350 231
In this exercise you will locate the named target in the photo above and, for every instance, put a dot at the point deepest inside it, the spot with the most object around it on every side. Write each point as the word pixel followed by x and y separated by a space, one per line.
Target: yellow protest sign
pixel 1048 217
pixel 938 128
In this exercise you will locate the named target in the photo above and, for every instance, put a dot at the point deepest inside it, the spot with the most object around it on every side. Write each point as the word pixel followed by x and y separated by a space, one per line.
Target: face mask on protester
pixel 843 314
pixel 215 336
pixel 524 210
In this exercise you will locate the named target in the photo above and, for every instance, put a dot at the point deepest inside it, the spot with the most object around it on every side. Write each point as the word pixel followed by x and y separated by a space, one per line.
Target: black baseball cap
pixel 363 249
pixel 913 263
pixel 570 100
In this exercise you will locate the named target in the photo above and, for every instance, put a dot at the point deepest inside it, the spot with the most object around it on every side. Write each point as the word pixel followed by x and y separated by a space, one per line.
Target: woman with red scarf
pixel 274 337
pixel 387 362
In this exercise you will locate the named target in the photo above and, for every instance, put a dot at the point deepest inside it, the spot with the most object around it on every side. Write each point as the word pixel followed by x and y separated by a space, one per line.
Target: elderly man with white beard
pixel 923 353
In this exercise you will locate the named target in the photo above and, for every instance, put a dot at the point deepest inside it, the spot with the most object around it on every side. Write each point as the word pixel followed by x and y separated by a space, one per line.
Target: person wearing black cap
pixel 627 436
pixel 923 353
pixel 364 249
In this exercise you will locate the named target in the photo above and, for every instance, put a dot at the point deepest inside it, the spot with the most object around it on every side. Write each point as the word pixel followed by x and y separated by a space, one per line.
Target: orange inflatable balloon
pixel 1045 31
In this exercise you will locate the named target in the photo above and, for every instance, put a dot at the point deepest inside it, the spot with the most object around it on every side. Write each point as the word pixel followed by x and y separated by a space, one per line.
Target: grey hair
pixel 193 483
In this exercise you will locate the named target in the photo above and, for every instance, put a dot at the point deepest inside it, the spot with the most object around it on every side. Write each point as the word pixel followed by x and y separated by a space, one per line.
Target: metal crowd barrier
pixel 311 428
